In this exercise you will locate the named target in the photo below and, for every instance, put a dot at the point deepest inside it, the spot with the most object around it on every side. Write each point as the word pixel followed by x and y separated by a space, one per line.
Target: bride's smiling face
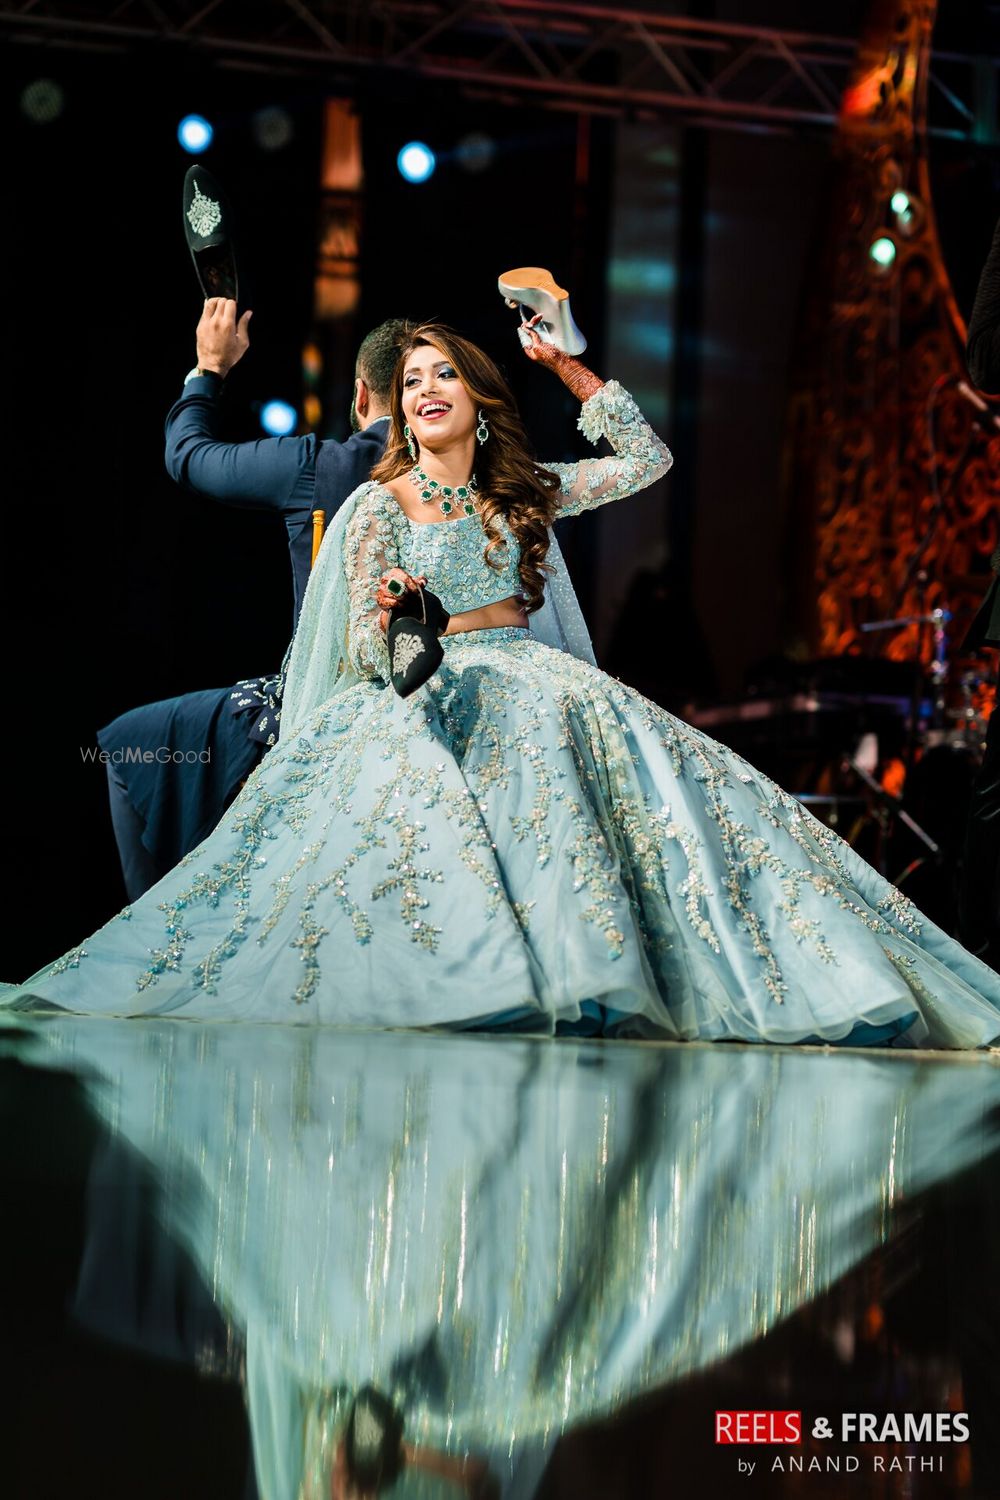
pixel 436 405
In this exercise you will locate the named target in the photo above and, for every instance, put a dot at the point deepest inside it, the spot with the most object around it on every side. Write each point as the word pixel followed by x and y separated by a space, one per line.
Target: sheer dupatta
pixel 318 664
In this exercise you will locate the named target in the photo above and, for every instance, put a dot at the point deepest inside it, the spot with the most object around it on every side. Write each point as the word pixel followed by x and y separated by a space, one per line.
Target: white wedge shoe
pixel 533 290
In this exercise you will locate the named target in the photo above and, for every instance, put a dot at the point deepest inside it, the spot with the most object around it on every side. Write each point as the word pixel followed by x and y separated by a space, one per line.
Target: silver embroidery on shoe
pixel 204 215
pixel 368 1430
pixel 405 653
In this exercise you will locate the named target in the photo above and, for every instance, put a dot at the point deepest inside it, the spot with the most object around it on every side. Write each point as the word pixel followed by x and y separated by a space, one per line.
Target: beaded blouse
pixel 451 554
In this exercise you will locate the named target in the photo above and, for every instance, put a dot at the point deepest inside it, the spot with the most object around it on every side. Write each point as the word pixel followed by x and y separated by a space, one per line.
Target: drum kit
pixel 883 752
pixel 908 812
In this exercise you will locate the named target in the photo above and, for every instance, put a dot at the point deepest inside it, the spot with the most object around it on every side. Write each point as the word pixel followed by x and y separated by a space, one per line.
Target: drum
pixel 970 700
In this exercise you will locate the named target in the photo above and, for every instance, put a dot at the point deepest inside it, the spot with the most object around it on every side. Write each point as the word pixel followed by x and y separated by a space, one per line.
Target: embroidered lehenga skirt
pixel 528 844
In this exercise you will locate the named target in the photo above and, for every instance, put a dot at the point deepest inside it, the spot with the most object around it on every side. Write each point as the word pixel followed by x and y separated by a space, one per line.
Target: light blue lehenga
pixel 525 842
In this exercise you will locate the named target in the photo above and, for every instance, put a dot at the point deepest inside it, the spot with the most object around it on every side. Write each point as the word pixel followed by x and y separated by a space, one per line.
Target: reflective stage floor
pixel 564 1267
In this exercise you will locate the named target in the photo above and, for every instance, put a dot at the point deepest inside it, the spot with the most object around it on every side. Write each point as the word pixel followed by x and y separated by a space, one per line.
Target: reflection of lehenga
pixel 526 842
pixel 508 1239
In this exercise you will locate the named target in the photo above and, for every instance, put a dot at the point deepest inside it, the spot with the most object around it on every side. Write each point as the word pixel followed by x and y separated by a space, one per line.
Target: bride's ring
pixel 395 588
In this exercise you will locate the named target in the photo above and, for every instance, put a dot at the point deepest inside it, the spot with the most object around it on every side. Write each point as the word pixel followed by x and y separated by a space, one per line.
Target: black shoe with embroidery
pixel 373 1441
pixel 208 231
pixel 415 652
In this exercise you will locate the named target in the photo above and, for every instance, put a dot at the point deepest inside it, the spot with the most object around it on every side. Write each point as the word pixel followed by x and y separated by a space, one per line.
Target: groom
pixel 162 807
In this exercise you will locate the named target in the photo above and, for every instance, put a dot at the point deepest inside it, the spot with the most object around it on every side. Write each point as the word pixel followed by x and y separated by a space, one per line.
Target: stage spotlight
pixel 416 161
pixel 42 101
pixel 272 128
pixel 475 152
pixel 195 134
pixel 909 213
pixel 882 252
pixel 278 418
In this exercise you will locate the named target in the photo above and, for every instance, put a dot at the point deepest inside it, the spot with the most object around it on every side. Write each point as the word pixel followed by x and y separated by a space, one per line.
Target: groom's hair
pixel 379 354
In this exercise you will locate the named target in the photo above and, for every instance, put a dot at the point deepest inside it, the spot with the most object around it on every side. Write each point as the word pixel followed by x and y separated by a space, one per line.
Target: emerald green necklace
pixel 448 499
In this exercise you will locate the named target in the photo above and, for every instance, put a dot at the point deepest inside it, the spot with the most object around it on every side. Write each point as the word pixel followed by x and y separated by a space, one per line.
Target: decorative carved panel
pixel 894 491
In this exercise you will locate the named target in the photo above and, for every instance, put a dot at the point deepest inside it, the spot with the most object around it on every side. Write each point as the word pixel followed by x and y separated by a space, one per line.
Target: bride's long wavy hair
pixel 511 483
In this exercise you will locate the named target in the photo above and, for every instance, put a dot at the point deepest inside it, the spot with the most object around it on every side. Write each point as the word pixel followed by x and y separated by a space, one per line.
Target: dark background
pixel 119 588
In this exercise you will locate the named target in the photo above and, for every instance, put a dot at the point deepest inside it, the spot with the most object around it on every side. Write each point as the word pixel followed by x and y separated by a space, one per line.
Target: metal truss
pixel 582 57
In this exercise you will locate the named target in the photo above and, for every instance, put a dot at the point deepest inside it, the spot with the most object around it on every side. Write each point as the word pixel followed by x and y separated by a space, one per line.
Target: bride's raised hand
pixel 574 376
pixel 535 346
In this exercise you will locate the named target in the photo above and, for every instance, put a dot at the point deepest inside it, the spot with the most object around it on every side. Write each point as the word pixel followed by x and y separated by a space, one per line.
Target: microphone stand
pixel 890 807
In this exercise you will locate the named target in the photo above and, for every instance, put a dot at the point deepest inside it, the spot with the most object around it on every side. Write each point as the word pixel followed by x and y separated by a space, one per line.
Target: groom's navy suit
pixel 161 808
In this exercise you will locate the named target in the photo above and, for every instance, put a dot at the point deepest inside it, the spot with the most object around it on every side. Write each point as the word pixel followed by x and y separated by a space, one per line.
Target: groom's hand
pixel 220 341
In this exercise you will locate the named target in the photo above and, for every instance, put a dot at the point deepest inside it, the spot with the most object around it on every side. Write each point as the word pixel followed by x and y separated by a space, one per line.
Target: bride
pixel 524 843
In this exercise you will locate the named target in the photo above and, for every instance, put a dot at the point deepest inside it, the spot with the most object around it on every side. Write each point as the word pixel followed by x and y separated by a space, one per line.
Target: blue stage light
pixel 42 101
pixel 476 152
pixel 278 418
pixel 195 134
pixel 416 161
pixel 899 202
pixel 273 128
